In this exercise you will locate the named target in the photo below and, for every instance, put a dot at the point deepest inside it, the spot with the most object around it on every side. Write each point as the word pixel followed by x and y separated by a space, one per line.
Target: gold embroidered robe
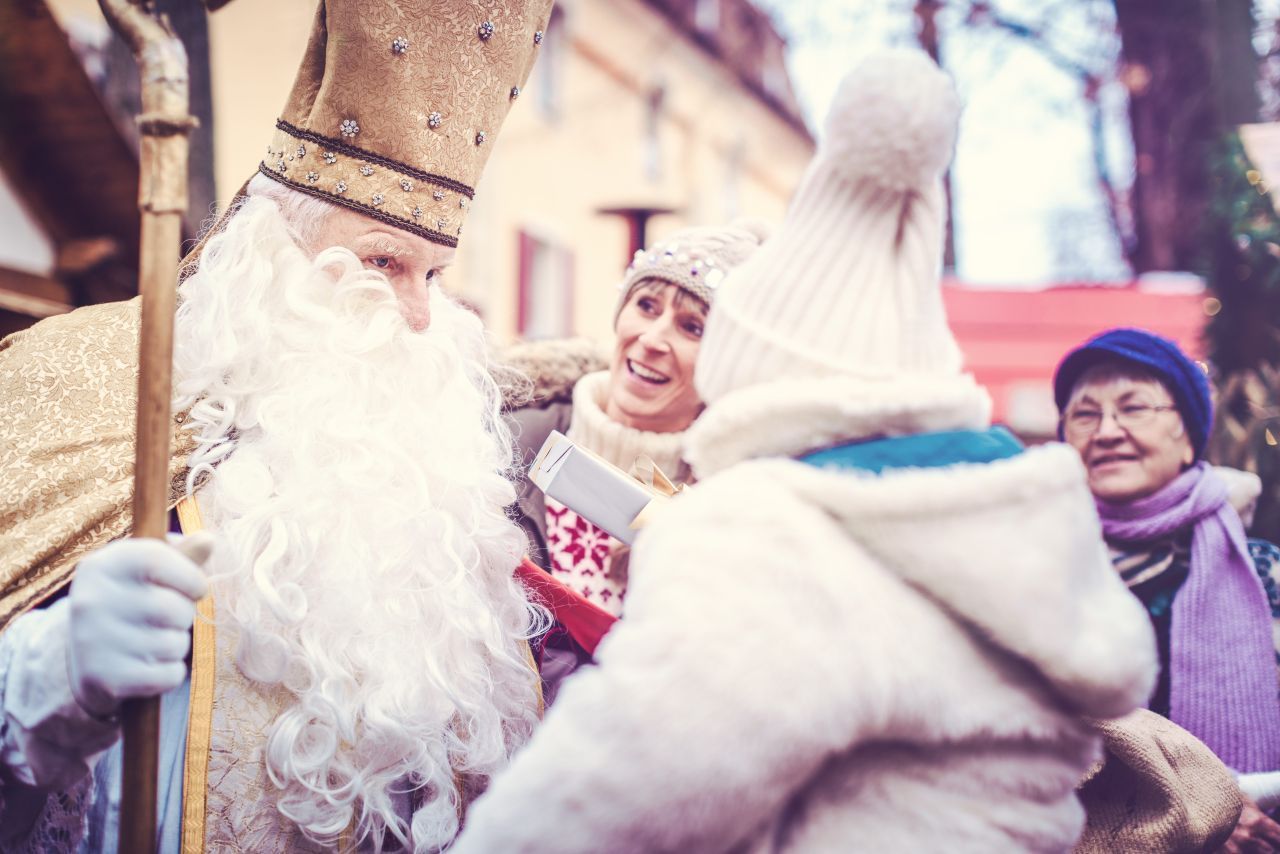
pixel 68 387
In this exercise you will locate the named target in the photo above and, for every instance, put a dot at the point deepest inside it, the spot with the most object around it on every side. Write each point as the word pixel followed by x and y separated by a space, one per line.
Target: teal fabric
pixel 923 450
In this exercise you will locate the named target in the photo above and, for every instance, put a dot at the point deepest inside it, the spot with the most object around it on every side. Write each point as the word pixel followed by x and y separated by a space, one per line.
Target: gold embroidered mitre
pixel 397 105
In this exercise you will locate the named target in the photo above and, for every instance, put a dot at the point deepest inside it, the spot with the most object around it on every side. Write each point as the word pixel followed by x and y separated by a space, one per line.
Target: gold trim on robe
pixel 204 662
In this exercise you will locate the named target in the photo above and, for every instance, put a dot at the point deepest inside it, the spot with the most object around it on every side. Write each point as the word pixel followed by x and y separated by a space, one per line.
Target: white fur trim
pixel 1243 490
pixel 551 369
pixel 789 417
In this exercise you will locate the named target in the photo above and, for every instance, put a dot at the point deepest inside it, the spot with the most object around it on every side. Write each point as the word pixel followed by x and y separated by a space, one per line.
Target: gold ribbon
pixel 646 471
pixel 200 718
pixel 663 489
pixel 200 721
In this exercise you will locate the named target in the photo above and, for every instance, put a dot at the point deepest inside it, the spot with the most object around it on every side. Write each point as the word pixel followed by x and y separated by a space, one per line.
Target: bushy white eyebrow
pixel 383 244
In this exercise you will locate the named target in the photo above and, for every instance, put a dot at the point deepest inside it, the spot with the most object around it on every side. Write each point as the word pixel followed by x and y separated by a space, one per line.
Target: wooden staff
pixel 162 197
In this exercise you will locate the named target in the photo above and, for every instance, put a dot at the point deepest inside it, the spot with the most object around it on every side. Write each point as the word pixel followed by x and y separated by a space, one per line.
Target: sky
pixel 1027 206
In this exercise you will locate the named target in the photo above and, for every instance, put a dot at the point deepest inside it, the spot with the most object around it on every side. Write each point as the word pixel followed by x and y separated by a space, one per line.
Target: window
pixel 773 74
pixel 706 16
pixel 735 166
pixel 548 71
pixel 1029 409
pixel 545 307
pixel 24 245
pixel 653 132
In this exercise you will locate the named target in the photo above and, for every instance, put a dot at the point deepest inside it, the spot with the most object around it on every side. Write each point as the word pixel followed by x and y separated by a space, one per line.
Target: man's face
pixel 410 263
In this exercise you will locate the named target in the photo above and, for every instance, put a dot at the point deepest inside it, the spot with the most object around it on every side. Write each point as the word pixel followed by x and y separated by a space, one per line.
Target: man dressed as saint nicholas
pixel 359 664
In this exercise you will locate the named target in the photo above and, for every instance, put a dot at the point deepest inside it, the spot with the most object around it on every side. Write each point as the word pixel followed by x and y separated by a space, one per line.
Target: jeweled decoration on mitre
pixel 396 106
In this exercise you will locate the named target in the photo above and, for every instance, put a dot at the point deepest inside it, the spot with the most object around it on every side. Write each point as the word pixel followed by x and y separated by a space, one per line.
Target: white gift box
pixel 596 490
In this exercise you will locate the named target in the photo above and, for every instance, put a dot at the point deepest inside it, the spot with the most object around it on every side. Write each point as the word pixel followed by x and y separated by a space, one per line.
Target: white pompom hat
pixel 849 283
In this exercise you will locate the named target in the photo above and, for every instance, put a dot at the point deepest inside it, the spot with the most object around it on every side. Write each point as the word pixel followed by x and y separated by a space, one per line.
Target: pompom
pixel 893 121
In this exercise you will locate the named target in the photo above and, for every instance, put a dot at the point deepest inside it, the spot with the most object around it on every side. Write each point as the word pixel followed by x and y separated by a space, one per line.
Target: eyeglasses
pixel 1082 422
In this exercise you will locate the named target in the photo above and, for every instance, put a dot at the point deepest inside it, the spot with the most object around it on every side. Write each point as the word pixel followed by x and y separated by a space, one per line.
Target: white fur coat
pixel 822 661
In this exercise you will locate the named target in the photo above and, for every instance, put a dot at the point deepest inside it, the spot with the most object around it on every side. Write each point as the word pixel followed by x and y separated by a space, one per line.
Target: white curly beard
pixel 364 557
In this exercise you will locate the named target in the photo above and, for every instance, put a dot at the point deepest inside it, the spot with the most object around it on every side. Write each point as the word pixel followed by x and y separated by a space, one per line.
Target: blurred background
pixel 1114 166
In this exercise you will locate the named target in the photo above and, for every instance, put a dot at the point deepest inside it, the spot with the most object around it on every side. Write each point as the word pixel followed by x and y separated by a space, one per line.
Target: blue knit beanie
pixel 1184 378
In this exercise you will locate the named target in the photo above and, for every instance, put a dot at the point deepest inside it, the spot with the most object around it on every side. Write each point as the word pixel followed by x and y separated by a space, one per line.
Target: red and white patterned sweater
pixel 580 555
pixel 579 551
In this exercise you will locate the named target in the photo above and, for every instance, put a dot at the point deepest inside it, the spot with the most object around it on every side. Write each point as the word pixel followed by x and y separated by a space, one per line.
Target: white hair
pixel 305 215
pixel 356 473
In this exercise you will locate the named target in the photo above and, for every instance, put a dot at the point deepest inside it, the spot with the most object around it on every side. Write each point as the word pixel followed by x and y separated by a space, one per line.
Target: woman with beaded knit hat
pixel 361 666
pixel 875 621
pixel 640 405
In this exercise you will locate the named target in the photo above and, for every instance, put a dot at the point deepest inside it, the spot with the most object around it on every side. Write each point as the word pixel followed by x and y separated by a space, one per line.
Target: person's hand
pixel 1254 833
pixel 131 607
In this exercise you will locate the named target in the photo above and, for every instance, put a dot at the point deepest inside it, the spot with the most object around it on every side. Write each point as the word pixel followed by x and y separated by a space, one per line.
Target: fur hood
pixel 789 417
pixel 1022 546
pixel 1243 490
pixel 539 373
pixel 1021 538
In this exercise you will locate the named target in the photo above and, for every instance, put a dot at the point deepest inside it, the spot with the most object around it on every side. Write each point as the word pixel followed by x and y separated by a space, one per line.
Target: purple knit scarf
pixel 1222 679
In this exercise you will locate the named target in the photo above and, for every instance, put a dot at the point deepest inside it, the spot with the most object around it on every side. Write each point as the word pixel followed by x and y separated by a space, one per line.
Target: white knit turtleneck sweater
pixel 580 551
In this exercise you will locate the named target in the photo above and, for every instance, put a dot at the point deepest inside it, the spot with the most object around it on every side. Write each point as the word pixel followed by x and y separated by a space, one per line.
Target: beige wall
pixel 548 176
pixel 254 51
pixel 551 176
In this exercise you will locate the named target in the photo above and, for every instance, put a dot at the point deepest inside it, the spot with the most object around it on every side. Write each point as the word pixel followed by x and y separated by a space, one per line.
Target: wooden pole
pixel 162 198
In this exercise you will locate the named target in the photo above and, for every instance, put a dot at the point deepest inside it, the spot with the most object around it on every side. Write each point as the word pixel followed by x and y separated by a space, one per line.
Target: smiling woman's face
pixel 658 331
pixel 1138 443
pixel 412 264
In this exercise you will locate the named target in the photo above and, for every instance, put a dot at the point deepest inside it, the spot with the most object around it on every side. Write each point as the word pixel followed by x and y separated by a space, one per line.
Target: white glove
pixel 1263 787
pixel 131 606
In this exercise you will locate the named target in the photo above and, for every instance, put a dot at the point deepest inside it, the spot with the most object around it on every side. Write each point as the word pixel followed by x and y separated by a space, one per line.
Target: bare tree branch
pixel 1091 79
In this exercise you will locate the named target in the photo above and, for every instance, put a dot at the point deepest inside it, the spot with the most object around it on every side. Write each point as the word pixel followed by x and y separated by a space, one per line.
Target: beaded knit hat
pixel 396 106
pixel 694 259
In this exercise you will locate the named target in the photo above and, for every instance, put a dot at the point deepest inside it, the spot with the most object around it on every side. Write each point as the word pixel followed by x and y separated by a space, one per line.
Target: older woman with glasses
pixel 1139 412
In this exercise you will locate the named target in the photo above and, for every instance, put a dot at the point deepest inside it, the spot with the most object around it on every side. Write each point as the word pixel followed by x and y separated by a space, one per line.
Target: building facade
pixel 672 112
pixel 633 105
pixel 663 112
